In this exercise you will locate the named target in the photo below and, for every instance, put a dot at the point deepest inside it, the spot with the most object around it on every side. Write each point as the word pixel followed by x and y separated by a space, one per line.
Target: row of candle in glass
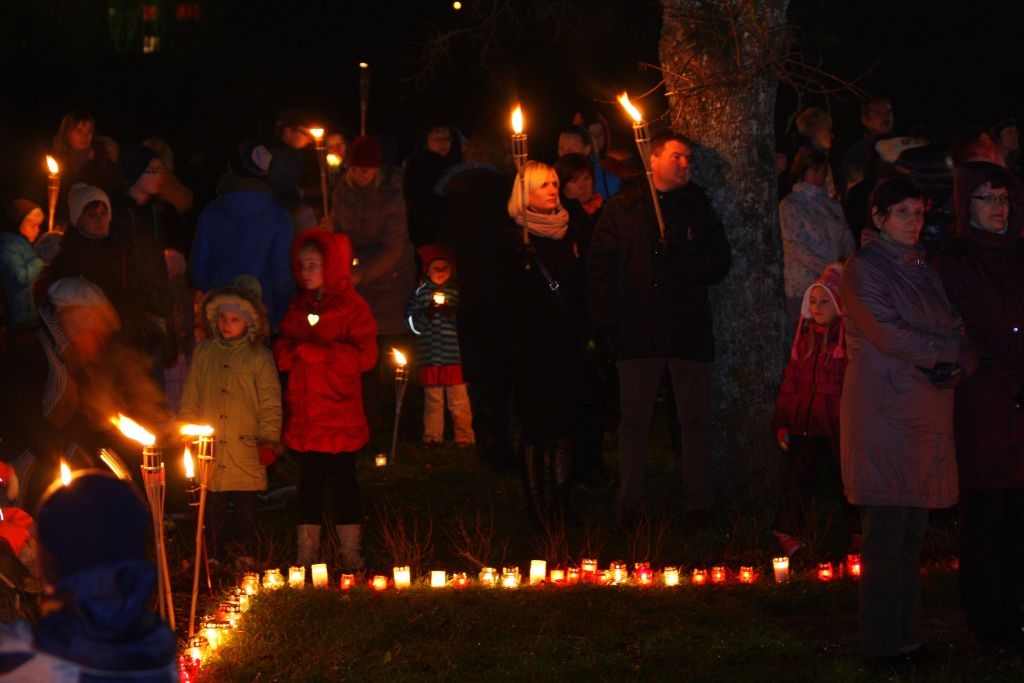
pixel 616 574
pixel 214 629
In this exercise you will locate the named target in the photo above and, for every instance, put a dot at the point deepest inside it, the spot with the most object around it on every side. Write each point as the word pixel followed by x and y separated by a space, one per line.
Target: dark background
pixel 222 79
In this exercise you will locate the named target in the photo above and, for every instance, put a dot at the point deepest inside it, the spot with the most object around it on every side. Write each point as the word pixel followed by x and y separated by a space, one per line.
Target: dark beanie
pixel 365 151
pixel 133 160
pixel 18 210
pixel 95 519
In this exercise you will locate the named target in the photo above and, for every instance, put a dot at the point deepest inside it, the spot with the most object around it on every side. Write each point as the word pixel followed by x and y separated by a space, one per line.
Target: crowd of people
pixel 546 315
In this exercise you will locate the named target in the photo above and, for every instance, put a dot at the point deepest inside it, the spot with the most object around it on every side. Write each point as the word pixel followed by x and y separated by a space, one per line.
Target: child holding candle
pixel 806 418
pixel 328 339
pixel 233 386
pixel 430 315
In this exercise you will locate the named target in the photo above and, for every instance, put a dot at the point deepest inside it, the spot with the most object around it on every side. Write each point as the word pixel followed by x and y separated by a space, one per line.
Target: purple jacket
pixel 897 427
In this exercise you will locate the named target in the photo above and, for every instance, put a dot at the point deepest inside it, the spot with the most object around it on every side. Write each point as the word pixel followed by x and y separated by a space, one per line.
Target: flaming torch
pixel 321 150
pixel 643 145
pixel 401 379
pixel 519 154
pixel 204 456
pixel 155 480
pixel 192 489
pixel 52 187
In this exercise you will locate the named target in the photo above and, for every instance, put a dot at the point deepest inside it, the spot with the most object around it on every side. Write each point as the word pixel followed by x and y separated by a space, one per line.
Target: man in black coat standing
pixel 648 299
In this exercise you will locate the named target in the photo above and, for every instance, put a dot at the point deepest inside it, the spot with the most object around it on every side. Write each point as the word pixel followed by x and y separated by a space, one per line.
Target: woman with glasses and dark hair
pixel 983 273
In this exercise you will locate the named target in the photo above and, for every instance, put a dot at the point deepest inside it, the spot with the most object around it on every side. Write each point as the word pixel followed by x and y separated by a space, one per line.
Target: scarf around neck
pixel 550 225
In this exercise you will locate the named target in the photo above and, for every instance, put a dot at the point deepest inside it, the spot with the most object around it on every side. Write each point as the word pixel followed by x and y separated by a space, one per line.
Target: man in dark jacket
pixel 648 299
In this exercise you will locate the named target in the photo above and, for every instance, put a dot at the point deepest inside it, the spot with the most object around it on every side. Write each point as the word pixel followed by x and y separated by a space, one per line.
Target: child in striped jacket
pixel 430 314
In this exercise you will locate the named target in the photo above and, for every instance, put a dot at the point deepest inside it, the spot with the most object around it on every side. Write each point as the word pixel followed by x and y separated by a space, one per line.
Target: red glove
pixel 268 456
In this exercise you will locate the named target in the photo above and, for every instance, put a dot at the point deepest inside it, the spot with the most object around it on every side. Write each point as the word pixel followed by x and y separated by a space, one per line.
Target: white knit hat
pixel 80 196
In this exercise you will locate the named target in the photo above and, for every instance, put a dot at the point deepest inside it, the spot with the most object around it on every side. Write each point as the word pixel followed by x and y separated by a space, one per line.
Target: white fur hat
pixel 80 196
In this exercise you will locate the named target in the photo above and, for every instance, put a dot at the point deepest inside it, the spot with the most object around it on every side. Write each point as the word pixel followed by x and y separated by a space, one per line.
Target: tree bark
pixel 718 59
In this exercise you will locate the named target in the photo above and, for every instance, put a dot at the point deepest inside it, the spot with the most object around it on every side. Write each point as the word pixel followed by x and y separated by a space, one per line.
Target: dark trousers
pixel 639 382
pixel 811 457
pixel 992 563
pixel 890 581
pixel 221 534
pixel 317 472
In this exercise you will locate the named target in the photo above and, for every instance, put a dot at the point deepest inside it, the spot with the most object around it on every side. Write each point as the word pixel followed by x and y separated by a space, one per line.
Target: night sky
pixel 944 64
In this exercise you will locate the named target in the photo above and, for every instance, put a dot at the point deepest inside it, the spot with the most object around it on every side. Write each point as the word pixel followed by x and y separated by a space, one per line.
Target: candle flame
pixel 517 120
pixel 364 65
pixel 65 473
pixel 52 165
pixel 196 430
pixel 399 357
pixel 133 430
pixel 333 160
pixel 190 470
pixel 317 133
pixel 630 109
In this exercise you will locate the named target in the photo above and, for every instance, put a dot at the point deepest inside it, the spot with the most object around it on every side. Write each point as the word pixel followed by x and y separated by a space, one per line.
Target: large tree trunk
pixel 717 57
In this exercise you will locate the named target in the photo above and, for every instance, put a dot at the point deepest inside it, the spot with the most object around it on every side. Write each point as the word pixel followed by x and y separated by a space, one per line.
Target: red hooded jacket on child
pixel 808 400
pixel 325 346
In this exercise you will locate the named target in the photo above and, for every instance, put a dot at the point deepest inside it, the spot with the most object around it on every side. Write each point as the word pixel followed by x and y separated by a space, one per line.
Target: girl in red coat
pixel 328 339
pixel 807 410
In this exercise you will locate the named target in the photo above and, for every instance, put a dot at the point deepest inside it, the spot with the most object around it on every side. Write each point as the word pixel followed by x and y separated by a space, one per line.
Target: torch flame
pixel 517 120
pixel 190 471
pixel 51 164
pixel 630 109
pixel 399 357
pixel 133 430
pixel 317 133
pixel 196 430
pixel 65 473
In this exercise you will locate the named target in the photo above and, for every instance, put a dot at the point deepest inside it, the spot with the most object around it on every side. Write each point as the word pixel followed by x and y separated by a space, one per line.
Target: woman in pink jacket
pixel 328 339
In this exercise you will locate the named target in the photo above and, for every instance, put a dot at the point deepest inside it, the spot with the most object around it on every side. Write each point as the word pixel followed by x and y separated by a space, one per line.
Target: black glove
pixel 944 375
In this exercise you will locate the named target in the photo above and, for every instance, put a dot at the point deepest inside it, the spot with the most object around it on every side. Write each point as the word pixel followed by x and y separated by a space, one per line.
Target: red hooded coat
pixel 325 356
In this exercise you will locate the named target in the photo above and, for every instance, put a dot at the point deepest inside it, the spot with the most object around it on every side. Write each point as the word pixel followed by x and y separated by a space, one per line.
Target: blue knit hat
pixel 95 519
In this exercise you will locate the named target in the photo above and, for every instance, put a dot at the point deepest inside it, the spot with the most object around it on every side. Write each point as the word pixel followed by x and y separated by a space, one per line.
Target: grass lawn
pixel 437 509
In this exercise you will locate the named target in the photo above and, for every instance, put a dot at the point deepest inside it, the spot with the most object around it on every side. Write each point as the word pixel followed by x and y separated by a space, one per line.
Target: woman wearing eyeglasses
pixel 983 274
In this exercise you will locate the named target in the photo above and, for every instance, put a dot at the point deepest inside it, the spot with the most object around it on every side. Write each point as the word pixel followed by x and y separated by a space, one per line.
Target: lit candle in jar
pixel 642 574
pixel 510 577
pixel 460 580
pixel 538 571
pixel 381 460
pixel 718 574
pixel 347 581
pixel 272 578
pixel 402 576
pixel 671 576
pixel 439 298
pixel 296 577
pixel 197 646
pixel 379 582
pixel 853 565
pixel 825 571
pixel 438 578
pixel 780 565
pixel 572 575
pixel 488 576
pixel 319 572
pixel 746 575
pixel 230 612
pixel 700 577
pixel 557 576
pixel 588 570
pixel 619 572
pixel 250 583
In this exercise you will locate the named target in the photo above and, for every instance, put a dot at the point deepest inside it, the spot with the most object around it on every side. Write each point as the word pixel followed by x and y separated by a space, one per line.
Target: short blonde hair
pixel 535 173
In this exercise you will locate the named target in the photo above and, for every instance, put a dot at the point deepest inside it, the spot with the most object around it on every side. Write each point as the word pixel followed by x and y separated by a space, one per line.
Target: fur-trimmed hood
pixel 249 302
